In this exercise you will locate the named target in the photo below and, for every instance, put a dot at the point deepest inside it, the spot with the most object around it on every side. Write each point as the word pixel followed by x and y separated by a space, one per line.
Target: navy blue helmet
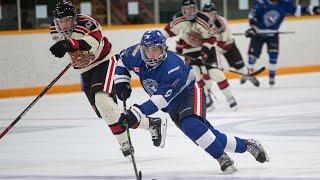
pixel 153 39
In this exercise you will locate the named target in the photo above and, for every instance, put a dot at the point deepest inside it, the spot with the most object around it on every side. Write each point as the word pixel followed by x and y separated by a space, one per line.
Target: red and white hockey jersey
pixel 90 31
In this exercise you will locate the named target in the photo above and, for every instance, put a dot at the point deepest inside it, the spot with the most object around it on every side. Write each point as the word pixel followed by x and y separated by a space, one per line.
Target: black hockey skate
pixel 232 103
pixel 158 130
pixel 271 81
pixel 252 79
pixel 126 150
pixel 226 164
pixel 255 148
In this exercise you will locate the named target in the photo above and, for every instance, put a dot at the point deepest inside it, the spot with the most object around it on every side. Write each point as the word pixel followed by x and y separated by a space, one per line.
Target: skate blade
pixel 234 108
pixel 264 151
pixel 129 157
pixel 164 126
pixel 231 169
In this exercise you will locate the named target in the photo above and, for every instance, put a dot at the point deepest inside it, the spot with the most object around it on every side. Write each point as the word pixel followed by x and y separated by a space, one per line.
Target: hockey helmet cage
pixel 189 4
pixel 153 39
pixel 65 9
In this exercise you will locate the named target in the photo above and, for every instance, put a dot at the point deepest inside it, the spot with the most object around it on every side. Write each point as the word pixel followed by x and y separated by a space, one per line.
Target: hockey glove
pixel 250 33
pixel 123 90
pixel 60 48
pixel 208 55
pixel 179 46
pixel 131 117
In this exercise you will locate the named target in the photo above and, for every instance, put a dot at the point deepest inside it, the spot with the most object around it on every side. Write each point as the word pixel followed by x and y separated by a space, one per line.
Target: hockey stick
pixel 138 176
pixel 224 68
pixel 281 32
pixel 34 101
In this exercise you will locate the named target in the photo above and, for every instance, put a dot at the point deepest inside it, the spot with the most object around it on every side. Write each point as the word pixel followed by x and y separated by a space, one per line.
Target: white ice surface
pixel 60 138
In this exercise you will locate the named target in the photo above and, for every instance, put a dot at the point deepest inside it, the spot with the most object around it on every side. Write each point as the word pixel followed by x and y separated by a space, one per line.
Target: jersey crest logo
pixel 194 38
pixel 150 86
pixel 82 59
pixel 271 18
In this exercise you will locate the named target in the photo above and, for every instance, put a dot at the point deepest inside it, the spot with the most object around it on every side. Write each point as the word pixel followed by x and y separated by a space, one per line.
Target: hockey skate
pixel 271 81
pixel 232 103
pixel 126 150
pixel 158 130
pixel 255 148
pixel 253 80
pixel 209 103
pixel 226 164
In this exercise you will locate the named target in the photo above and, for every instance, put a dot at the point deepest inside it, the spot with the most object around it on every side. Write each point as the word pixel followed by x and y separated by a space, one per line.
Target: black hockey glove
pixel 208 55
pixel 130 117
pixel 123 90
pixel 250 33
pixel 60 48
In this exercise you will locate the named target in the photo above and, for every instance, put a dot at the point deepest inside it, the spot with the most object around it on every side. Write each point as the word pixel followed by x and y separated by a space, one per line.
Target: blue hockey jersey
pixel 165 83
pixel 266 15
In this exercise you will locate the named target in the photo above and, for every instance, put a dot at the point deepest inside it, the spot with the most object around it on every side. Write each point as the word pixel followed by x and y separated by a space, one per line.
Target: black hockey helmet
pixel 209 7
pixel 63 9
pixel 188 4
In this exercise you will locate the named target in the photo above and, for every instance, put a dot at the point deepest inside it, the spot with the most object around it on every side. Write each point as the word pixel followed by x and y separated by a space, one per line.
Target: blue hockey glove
pixel 123 90
pixel 131 116
pixel 60 48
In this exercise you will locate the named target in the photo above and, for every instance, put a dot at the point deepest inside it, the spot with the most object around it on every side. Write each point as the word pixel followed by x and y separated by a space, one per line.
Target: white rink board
pixel 26 61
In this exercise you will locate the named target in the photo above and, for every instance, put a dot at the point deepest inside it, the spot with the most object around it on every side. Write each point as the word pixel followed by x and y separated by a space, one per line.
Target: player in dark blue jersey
pixel 172 89
pixel 265 19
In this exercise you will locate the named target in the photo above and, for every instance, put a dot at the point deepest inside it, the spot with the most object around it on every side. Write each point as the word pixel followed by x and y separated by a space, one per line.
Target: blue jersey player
pixel 172 89
pixel 265 19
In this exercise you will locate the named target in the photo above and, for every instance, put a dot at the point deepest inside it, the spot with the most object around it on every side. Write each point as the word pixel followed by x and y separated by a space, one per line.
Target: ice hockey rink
pixel 61 139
